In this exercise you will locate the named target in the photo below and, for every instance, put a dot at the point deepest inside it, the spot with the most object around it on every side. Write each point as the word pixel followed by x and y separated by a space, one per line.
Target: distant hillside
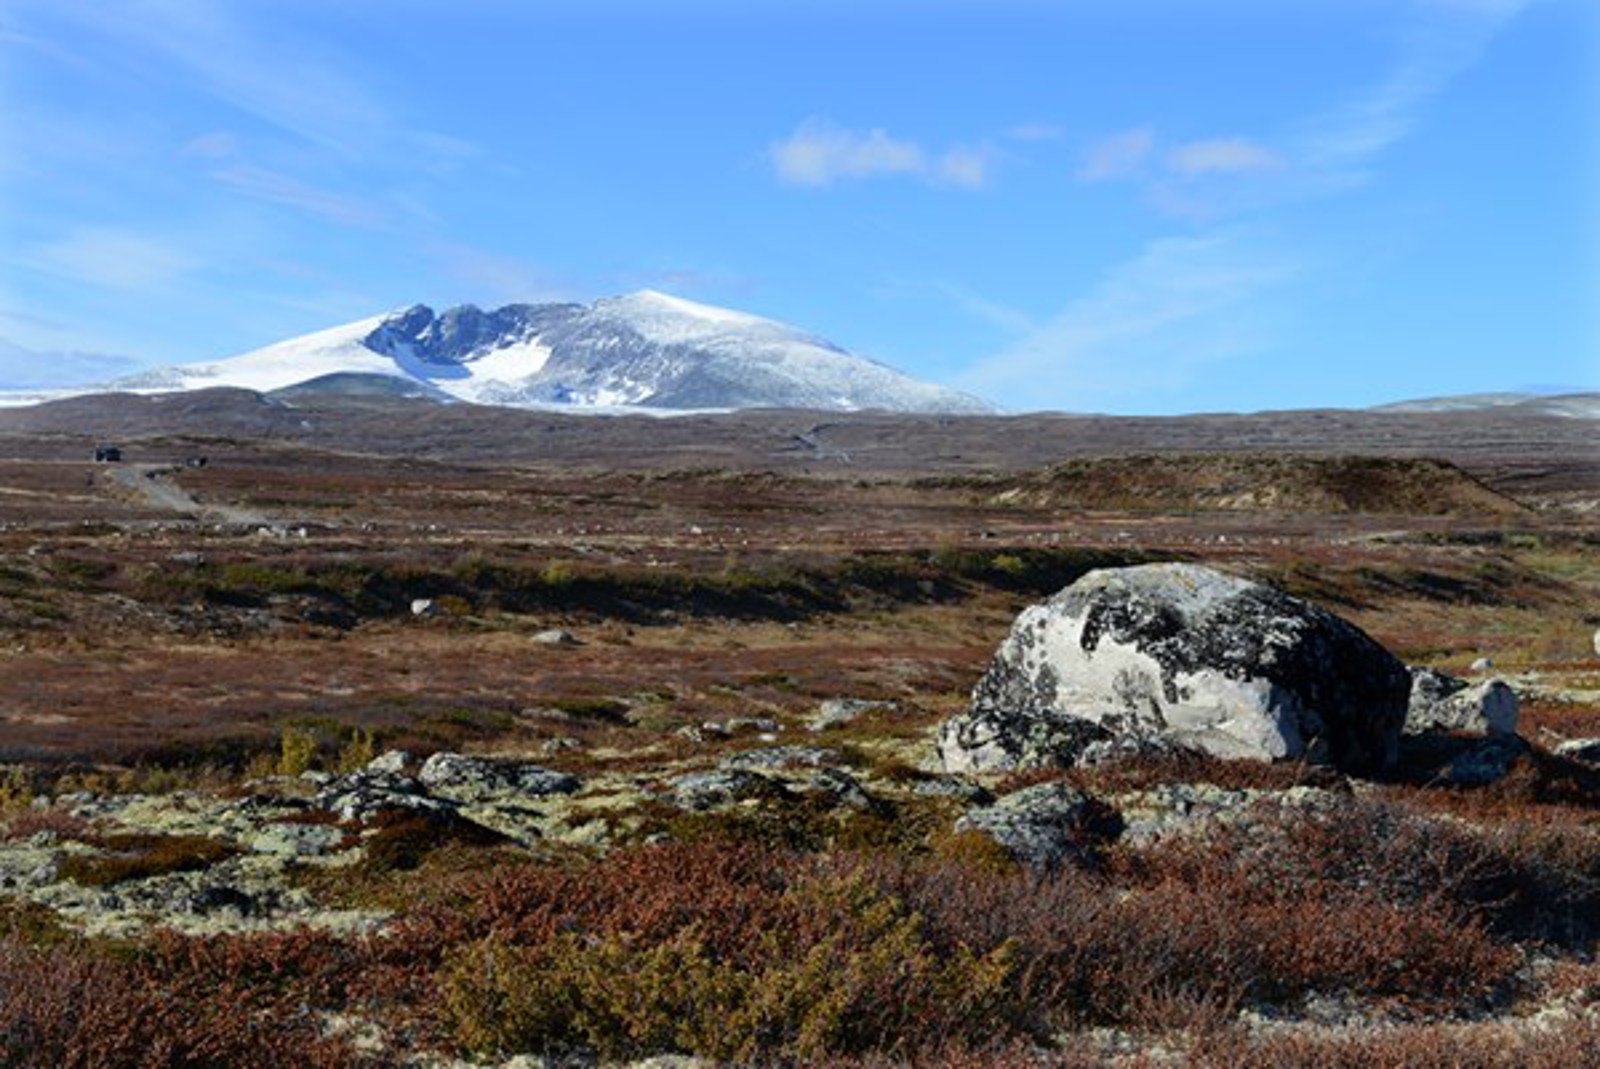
pixel 1575 405
pixel 1242 482
pixel 1535 458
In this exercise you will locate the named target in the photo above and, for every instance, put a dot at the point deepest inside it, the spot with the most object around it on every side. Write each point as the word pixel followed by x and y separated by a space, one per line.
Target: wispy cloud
pixel 1223 155
pixel 111 257
pixel 1035 131
pixel 1147 325
pixel 288 81
pixel 1448 38
pixel 277 188
pixel 312 106
pixel 1013 321
pixel 1120 155
pixel 497 277
pixel 821 153
pixel 217 145
pixel 22 368
pixel 1184 303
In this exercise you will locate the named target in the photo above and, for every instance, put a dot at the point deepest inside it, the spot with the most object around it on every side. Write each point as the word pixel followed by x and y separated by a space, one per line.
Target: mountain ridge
pixel 642 350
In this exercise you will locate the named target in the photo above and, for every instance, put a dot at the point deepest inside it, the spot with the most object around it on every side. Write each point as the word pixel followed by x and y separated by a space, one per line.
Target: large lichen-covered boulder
pixel 1178 656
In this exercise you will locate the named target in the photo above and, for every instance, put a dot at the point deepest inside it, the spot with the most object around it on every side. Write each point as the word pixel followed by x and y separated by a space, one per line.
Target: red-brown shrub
pixel 1571 1044
pixel 69 1008
pixel 30 822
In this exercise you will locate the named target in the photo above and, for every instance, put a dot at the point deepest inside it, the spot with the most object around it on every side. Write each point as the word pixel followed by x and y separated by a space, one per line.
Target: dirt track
pixel 153 484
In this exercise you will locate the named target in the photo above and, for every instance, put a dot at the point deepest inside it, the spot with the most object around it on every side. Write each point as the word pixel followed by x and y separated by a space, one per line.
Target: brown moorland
pixel 178 644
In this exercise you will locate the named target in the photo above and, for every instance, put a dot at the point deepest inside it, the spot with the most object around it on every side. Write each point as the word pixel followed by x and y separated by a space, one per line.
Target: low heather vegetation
pixel 716 699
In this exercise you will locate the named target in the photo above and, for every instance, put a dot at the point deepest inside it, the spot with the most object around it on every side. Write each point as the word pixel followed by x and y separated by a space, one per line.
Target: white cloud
pixel 1224 155
pixel 1121 155
pixel 968 168
pixel 1150 324
pixel 820 153
pixel 111 257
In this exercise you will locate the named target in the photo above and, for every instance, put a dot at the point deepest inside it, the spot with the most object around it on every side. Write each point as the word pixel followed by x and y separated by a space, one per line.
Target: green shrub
pixel 297 748
pixel 16 790
pixel 603 710
pixel 806 993
pixel 358 751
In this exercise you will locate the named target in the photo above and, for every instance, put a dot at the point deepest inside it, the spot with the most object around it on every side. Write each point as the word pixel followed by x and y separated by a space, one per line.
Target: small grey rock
pixel 475 777
pixel 391 761
pixel 844 789
pixel 1584 750
pixel 1044 826
pixel 360 796
pixel 1441 702
pixel 1485 761
pixel 296 840
pixel 760 724
pixel 699 791
pixel 556 636
pixel 782 757
pixel 215 898
pixel 424 607
pixel 953 787
pixel 836 712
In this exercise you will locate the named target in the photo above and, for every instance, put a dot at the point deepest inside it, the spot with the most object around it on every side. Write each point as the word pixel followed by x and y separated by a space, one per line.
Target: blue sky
pixel 1137 206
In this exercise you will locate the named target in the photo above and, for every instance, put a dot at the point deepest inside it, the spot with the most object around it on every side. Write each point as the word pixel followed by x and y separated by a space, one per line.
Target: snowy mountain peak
pixel 655 307
pixel 646 349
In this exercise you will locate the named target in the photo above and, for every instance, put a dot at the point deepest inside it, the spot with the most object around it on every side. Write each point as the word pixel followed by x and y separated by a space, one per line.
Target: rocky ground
pixel 445 765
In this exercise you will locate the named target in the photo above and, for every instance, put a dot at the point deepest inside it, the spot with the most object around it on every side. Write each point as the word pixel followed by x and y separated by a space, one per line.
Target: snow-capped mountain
pixel 646 349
